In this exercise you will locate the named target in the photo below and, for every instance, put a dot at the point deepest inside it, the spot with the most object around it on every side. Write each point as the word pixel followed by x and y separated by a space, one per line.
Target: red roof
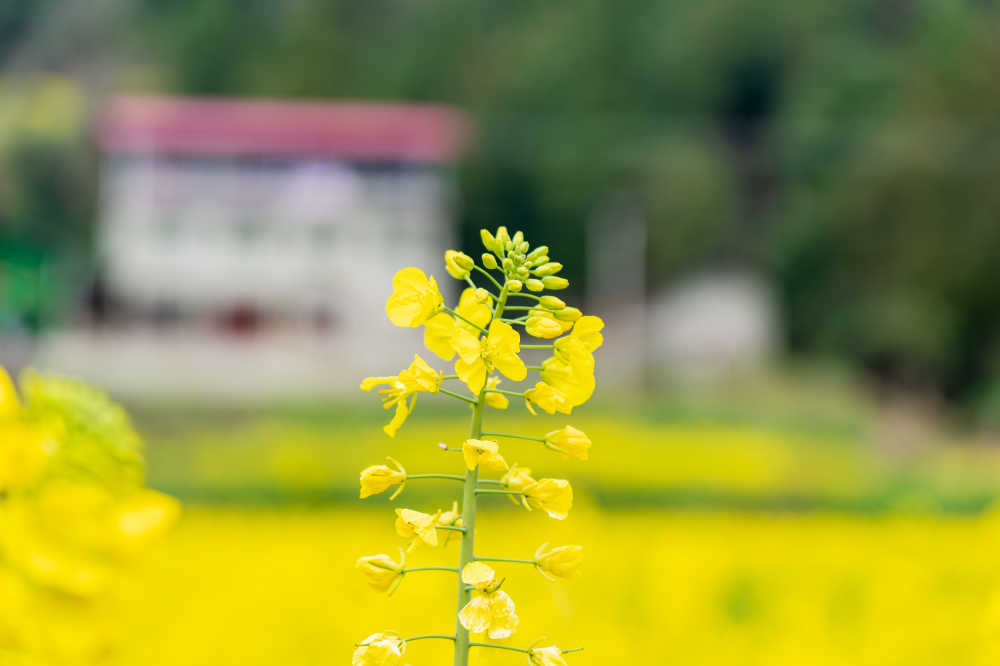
pixel 244 127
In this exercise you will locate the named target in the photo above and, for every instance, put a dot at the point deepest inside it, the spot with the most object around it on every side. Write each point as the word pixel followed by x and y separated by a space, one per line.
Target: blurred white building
pixel 247 247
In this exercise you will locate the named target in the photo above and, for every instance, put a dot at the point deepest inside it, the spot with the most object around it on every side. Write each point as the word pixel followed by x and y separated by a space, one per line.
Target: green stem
pixel 483 271
pixel 452 569
pixel 510 434
pixel 451 527
pixel 505 559
pixel 457 395
pixel 454 376
pixel 467 321
pixel 453 477
pixel 424 636
pixel 501 647
pixel 495 482
pixel 527 295
pixel 520 307
pixel 495 491
pixel 530 367
pixel 502 392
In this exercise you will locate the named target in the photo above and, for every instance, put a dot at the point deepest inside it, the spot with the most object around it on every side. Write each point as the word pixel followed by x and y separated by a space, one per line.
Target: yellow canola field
pixel 261 588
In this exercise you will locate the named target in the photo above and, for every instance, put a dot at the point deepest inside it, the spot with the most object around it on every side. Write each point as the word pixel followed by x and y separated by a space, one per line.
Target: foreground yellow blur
pixel 260 588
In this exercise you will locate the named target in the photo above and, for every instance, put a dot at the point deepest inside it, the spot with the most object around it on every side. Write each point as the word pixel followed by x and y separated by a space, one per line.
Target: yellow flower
pixel 574 380
pixel 418 378
pixel 483 452
pixel 516 478
pixel 379 478
pixel 383 573
pixel 495 400
pixel 415 298
pixel 572 443
pixel 458 264
pixel 450 518
pixel 546 656
pixel 480 576
pixel 475 305
pixel 25 450
pixel 478 357
pixel 587 330
pixel 548 398
pixel 422 527
pixel 541 323
pixel 382 649
pixel 561 562
pixel 553 496
pixel 142 517
pixel 492 611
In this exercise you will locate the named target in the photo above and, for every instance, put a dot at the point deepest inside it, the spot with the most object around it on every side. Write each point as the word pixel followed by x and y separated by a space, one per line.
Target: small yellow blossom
pixel 415 298
pixel 383 573
pixel 587 329
pixel 478 356
pixel 418 378
pixel 479 575
pixel 474 305
pixel 516 478
pixel 569 441
pixel 541 323
pixel 450 518
pixel 561 562
pixel 422 527
pixel 546 656
pixel 574 380
pixel 547 398
pixel 495 400
pixel 483 452
pixel 379 478
pixel 491 612
pixel 143 517
pixel 382 649
pixel 458 264
pixel 553 496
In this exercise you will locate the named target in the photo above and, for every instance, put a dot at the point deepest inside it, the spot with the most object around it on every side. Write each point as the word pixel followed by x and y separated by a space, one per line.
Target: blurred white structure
pixel 249 246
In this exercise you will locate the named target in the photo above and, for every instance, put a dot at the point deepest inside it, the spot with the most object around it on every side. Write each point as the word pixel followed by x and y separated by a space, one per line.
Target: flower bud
pixel 534 285
pixel 508 265
pixel 568 314
pixel 539 251
pixel 482 295
pixel 550 268
pixel 555 283
pixel 489 261
pixel 523 272
pixel 552 303
pixel 458 264
pixel 523 247
pixel 514 285
pixel 489 242
pixel 538 261
pixel 518 238
pixel 502 238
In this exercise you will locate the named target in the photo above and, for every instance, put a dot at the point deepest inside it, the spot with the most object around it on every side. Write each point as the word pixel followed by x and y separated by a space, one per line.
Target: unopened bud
pixel 539 251
pixel 568 314
pixel 554 282
pixel 489 261
pixel 523 247
pixel 552 303
pixel 458 264
pixel 442 446
pixel 514 285
pixel 538 261
pixel 517 238
pixel 489 242
pixel 502 237
pixel 508 265
pixel 550 268
pixel 534 285
pixel 523 272
pixel 482 295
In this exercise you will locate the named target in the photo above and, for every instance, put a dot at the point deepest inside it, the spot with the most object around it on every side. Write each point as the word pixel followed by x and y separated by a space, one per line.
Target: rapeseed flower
pixel 421 527
pixel 418 378
pixel 415 298
pixel 569 441
pixel 548 399
pixel 479 356
pixel 542 323
pixel 492 611
pixel 475 310
pixel 495 400
pixel 458 264
pixel 553 496
pixel 484 453
pixel 558 562
pixel 379 478
pixel 383 573
pixel 382 649
pixel 546 656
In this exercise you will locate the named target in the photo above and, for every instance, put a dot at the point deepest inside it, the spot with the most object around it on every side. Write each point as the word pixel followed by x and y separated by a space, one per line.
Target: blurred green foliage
pixel 848 150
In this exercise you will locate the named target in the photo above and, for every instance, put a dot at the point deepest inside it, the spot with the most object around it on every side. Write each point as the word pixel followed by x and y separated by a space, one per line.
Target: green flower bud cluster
pixel 524 267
